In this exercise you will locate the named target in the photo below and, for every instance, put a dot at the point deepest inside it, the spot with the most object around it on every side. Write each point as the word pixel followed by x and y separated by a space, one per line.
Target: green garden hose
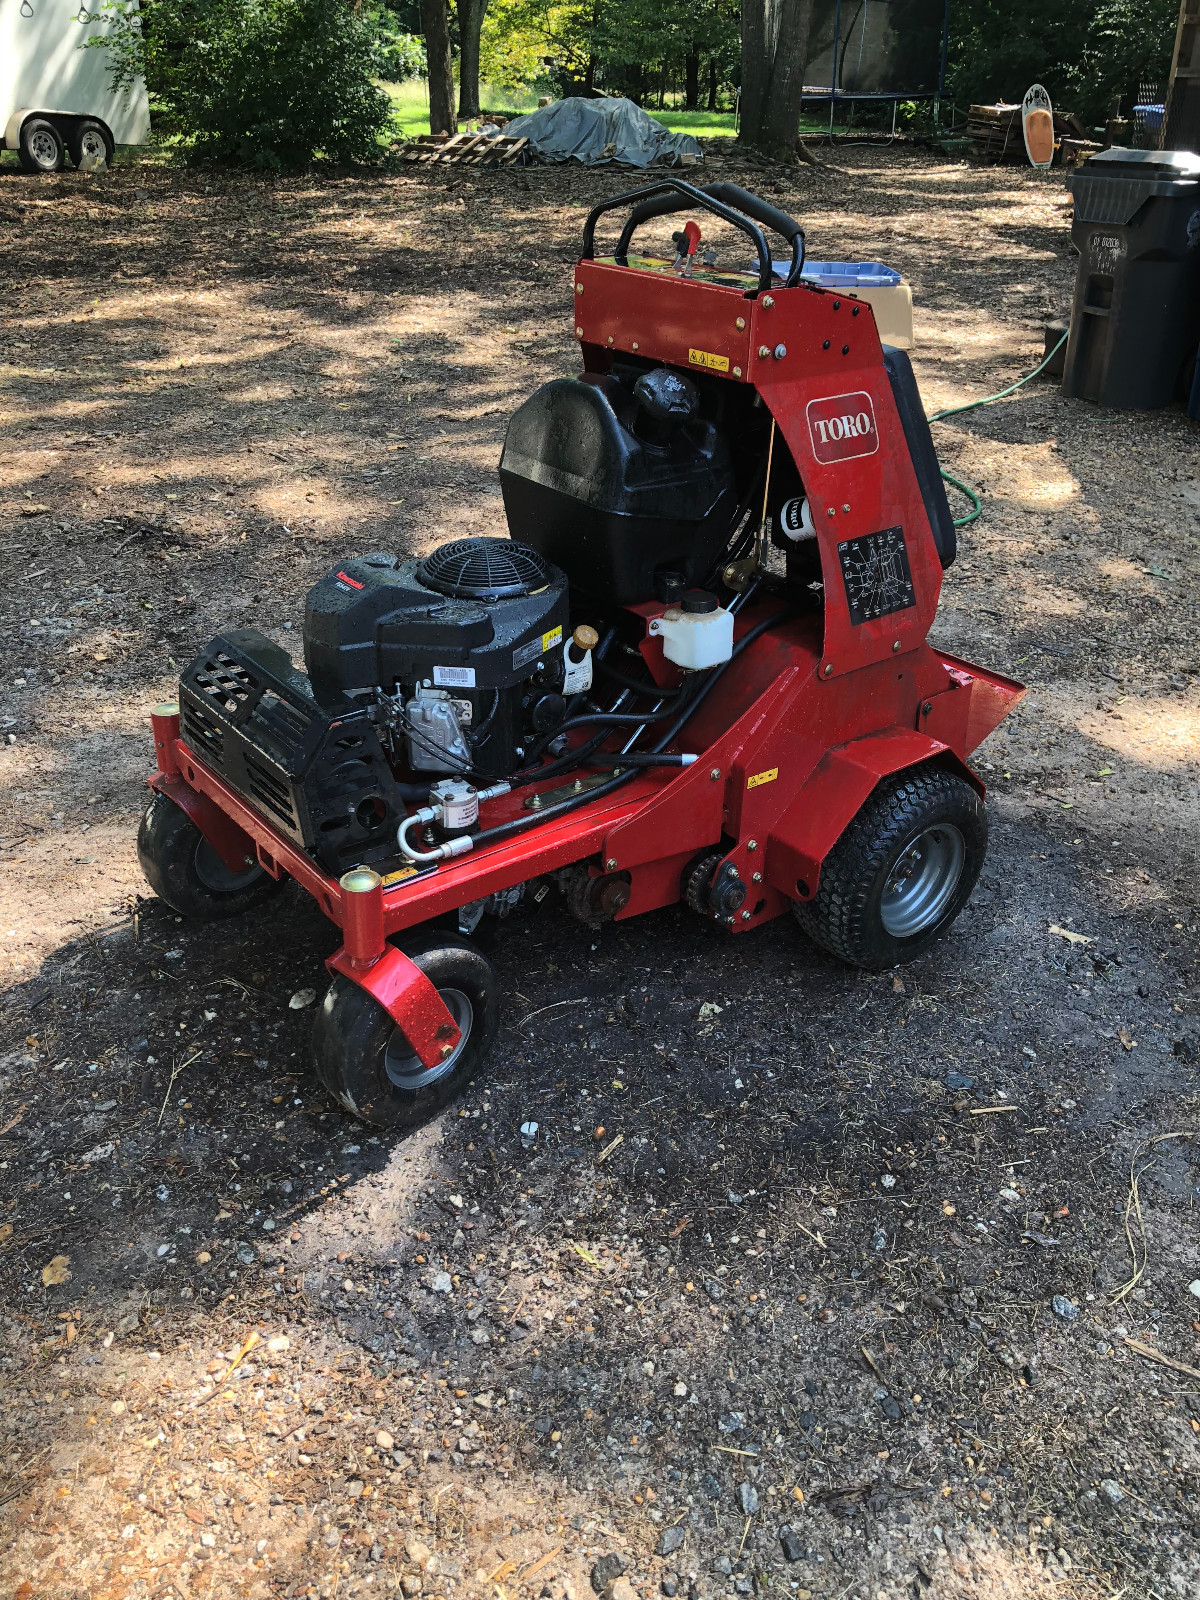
pixel 953 411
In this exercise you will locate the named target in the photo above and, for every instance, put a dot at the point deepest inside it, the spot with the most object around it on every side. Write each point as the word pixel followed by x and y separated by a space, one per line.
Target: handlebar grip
pixel 770 216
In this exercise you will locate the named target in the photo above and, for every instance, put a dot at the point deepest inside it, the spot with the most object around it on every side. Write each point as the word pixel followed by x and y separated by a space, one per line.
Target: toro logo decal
pixel 842 426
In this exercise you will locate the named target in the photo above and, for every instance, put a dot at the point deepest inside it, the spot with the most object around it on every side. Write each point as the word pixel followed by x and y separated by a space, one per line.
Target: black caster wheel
pixel 183 869
pixel 367 1064
pixel 901 872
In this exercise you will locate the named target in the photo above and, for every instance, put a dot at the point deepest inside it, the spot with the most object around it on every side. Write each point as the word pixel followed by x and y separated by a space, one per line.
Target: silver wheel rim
pixel 922 880
pixel 43 147
pixel 92 147
pixel 216 876
pixel 406 1069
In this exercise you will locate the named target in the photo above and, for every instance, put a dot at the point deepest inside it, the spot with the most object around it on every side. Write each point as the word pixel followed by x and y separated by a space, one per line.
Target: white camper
pixel 57 100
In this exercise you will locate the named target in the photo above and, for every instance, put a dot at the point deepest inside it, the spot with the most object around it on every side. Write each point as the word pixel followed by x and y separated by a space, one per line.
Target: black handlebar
pixel 725 200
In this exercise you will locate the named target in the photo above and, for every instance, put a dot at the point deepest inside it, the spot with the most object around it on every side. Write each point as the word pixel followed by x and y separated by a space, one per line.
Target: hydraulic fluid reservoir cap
pixel 700 602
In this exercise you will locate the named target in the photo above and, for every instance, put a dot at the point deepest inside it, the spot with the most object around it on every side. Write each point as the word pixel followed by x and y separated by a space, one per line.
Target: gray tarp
pixel 596 131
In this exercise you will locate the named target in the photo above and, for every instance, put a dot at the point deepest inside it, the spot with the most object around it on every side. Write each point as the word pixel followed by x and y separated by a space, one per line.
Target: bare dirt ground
pixel 864 1303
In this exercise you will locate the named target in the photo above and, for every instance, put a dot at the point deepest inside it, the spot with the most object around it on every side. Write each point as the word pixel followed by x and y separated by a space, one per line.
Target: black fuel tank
pixel 615 483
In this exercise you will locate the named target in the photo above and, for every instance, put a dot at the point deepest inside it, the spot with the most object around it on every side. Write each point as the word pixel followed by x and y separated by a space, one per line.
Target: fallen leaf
pixel 56 1271
pixel 5 1232
pixel 302 998
pixel 582 1251
pixel 1070 935
pixel 1126 1038
pixel 710 1008
pixel 35 511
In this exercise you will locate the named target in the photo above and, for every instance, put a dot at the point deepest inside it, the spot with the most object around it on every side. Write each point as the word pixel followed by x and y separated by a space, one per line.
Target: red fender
pixel 408 997
pixel 834 794
pixel 235 847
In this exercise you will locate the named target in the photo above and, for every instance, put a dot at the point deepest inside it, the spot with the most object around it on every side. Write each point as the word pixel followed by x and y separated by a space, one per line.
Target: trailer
pixel 57 100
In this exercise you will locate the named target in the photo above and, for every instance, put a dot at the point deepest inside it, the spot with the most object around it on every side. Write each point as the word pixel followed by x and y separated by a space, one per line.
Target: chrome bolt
pixel 578 288
pixel 845 508
pixel 764 350
pixel 751 844
pixel 827 669
pixel 579 333
pixel 715 774
pixel 740 323
pixel 895 646
pixel 756 877
pixel 745 916
pixel 767 302
pixel 610 865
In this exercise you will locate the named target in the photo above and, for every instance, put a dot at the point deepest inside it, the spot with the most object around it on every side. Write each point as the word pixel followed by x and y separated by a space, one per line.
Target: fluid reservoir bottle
pixel 697 633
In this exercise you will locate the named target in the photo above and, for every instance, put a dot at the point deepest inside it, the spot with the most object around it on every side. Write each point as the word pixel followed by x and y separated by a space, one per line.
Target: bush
pixel 266 83
pixel 401 55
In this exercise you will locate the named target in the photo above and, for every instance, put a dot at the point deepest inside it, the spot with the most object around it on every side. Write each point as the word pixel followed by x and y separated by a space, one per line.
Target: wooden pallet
pixel 466 150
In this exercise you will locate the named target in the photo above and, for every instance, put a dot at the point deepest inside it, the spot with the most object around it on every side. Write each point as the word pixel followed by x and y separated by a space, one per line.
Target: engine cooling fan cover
pixel 484 569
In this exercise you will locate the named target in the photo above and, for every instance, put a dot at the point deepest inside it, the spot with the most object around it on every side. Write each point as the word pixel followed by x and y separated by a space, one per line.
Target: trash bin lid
pixel 1112 186
pixel 1155 166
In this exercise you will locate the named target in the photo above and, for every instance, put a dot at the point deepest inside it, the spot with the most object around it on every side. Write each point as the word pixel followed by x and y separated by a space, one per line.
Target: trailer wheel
pixel 183 869
pixel 89 141
pixel 901 872
pixel 367 1064
pixel 40 147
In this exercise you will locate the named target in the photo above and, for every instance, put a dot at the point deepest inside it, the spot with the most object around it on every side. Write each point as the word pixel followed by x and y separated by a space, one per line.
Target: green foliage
pixel 1083 51
pixel 401 55
pixel 617 46
pixel 266 83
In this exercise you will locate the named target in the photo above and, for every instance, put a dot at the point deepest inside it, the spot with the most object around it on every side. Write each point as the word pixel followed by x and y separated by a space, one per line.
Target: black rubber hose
pixel 639 685
pixel 637 758
pixel 518 825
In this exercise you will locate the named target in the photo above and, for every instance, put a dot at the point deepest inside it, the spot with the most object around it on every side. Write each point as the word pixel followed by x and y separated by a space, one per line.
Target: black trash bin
pixel 1135 318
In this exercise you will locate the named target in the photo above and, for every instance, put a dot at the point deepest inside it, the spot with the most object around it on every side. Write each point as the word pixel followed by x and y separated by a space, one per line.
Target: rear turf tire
pixel 367 1064
pixel 184 870
pixel 901 872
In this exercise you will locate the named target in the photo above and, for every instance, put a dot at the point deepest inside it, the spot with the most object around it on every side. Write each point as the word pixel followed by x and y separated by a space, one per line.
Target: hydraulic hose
pixel 505 830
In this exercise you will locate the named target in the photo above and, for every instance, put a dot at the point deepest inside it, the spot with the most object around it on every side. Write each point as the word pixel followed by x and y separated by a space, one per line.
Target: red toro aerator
pixel 698 670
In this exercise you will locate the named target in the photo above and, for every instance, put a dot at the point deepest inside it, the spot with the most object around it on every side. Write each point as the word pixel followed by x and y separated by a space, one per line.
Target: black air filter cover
pixel 379 621
pixel 484 569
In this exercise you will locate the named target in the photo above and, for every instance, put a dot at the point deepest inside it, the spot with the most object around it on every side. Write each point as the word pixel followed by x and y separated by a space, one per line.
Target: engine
pixel 418 670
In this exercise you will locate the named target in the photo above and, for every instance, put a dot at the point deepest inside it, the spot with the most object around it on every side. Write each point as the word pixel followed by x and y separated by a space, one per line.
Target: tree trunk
pixel 435 24
pixel 589 78
pixel 774 53
pixel 691 67
pixel 470 25
pixel 712 83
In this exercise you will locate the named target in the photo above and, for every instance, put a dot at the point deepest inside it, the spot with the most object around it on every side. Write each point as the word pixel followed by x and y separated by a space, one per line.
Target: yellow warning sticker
pixel 759 778
pixel 401 875
pixel 705 358
pixel 550 639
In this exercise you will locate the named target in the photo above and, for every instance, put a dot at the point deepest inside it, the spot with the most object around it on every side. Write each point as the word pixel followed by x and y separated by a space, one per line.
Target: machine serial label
pixel 526 653
pixel 842 426
pixel 759 778
pixel 876 573
pixel 706 358
pixel 454 677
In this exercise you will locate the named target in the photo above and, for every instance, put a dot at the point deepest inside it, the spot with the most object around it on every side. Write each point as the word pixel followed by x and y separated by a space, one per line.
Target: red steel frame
pixel 792 739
